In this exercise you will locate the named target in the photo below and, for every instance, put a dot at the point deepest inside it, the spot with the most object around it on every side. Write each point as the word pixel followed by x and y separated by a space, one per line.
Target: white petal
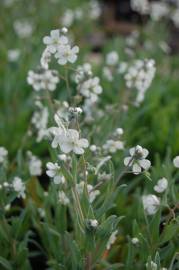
pixel 57 179
pixel 55 142
pixel 136 168
pixel 127 161
pixel 63 40
pixel 75 49
pixel 73 134
pixel 66 147
pixel 50 165
pixel 145 164
pixel 51 48
pixel 72 58
pixel 83 143
pixel 176 161
pixel 50 173
pixel 145 152
pixel 132 151
pixel 78 150
pixel 55 33
pixel 62 61
pixel 47 40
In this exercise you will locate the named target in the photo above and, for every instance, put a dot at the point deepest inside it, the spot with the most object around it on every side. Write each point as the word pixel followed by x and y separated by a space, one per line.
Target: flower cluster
pixel 58 45
pixel 141 6
pixel 40 121
pixel 140 76
pixel 88 86
pixel 114 144
pixel 43 79
pixel 90 10
pixel 157 9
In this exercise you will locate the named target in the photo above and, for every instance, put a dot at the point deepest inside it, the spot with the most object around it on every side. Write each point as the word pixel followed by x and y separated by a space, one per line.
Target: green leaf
pixel 5 263
pixel 169 232
pixel 154 226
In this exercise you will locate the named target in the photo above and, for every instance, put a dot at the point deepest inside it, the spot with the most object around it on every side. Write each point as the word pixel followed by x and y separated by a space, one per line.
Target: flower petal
pixel 145 163
pixel 78 150
pixel 127 161
pixel 83 143
pixel 136 168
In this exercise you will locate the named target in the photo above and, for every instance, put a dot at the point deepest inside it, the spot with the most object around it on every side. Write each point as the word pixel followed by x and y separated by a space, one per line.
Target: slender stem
pixel 78 205
pixel 88 265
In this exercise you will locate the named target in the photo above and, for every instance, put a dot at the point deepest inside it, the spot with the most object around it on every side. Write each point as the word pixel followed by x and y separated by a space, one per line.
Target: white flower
pixel 13 55
pixel 138 160
pixel 150 203
pixel 151 266
pixel 93 148
pixel 112 146
pixel 135 241
pixel 6 184
pixel 112 58
pixel 63 199
pixel 122 67
pixel 107 73
pixel 34 79
pixel 63 157
pixel 119 131
pixel 40 121
pixel 68 18
pixel 58 131
pixel 50 80
pixel 140 76
pixel 8 3
pixel 176 161
pixel 35 165
pixel 7 207
pixel 78 12
pixel 175 17
pixel 41 212
pixel 44 80
pixel 75 110
pixel 141 6
pixel 158 10
pixel 93 223
pixel 45 58
pixel 92 193
pixel 67 54
pixel 55 40
pixel 53 171
pixel 23 28
pixel 94 10
pixel 161 185
pixel 3 154
pixel 70 141
pixel 19 187
pixel 112 239
pixel 91 88
pixel 83 72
